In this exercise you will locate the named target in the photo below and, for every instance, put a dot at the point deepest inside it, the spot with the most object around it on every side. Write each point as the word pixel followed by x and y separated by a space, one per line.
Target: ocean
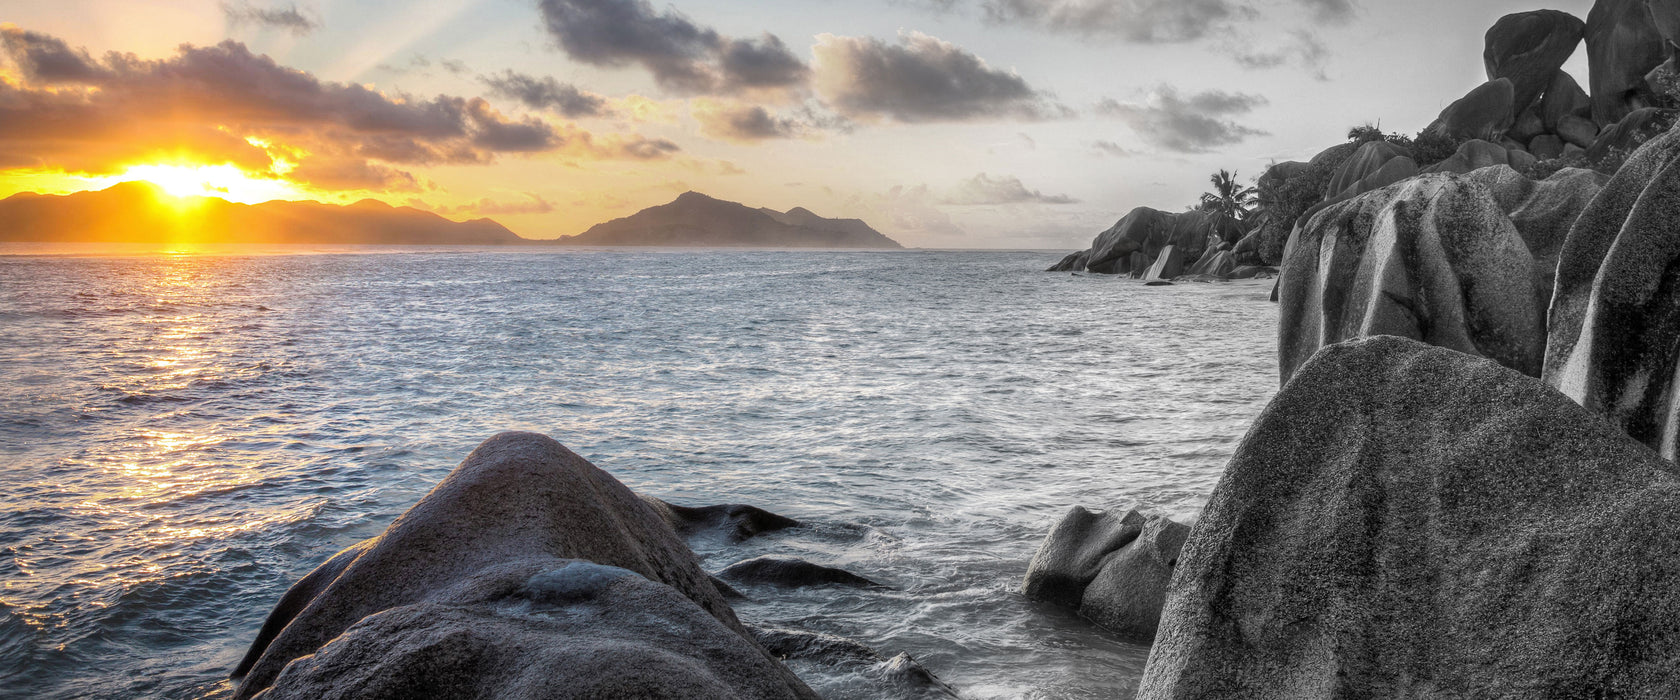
pixel 185 435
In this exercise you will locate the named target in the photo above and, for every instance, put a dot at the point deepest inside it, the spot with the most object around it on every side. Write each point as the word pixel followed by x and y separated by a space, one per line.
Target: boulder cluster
pixel 1157 247
pixel 1530 114
pixel 1465 487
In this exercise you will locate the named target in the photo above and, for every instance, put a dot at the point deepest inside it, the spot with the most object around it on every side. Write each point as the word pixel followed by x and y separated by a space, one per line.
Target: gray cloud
pixel 744 123
pixel 985 189
pixel 1331 11
pixel 286 18
pixel 921 79
pixel 532 204
pixel 683 57
pixel 1187 124
pixel 546 93
pixel 1112 149
pixel 1143 21
pixel 1307 52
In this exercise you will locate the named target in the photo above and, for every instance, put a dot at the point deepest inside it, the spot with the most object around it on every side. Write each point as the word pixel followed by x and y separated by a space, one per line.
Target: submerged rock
pixel 1111 567
pixel 1433 258
pixel 737 522
pixel 1407 521
pixel 900 676
pixel 1614 342
pixel 464 593
pixel 791 572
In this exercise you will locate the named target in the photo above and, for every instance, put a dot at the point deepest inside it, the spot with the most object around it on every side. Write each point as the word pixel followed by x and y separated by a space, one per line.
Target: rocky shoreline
pixel 1464 487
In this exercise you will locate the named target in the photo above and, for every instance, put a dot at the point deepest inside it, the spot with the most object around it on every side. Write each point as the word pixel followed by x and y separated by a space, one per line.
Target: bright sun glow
pixel 225 181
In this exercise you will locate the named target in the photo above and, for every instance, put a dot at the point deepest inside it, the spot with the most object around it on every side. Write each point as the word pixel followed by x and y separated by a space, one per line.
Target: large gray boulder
pixel 1623 44
pixel 1483 113
pixel 1542 210
pixel 1614 339
pixel 524 543
pixel 1563 98
pixel 1434 258
pixel 1375 165
pixel 1529 48
pixel 1113 567
pixel 1407 521
pixel 1621 139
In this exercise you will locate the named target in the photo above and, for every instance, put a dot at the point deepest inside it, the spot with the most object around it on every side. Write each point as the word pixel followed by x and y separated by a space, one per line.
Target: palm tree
pixel 1229 197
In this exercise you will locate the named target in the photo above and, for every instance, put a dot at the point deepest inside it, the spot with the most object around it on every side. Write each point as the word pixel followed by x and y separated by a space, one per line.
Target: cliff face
pixel 696 220
pixel 134 212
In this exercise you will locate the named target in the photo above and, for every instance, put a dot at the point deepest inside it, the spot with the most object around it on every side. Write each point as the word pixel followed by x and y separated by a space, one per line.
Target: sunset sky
pixel 943 123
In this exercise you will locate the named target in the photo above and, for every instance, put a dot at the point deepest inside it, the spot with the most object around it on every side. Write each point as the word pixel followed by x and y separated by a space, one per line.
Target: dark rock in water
pixel 1074 262
pixel 1543 211
pixel 1627 135
pixel 1623 44
pixel 738 522
pixel 1158 283
pixel 1434 259
pixel 1529 48
pixel 1112 568
pixel 791 572
pixel 1169 264
pixel 1614 343
pixel 1407 521
pixel 456 597
pixel 1483 113
pixel 494 635
pixel 1563 98
pixel 908 679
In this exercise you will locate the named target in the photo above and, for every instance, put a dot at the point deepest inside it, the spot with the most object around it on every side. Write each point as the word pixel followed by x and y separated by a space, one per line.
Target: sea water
pixel 182 436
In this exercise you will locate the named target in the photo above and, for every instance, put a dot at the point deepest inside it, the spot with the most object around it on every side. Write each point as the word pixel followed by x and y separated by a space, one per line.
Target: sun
pixel 225 181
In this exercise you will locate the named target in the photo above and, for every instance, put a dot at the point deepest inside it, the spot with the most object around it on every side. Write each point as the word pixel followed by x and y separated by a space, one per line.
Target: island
pixel 696 220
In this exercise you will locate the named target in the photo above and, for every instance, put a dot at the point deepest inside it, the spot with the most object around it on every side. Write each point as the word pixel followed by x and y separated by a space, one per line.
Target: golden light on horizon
pixel 225 181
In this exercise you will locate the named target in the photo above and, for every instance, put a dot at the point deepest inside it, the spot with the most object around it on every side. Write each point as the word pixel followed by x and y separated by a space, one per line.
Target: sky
pixel 1027 124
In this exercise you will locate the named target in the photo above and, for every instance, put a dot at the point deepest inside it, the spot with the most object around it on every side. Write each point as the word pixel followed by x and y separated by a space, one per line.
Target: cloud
pixel 985 189
pixel 224 104
pixel 286 18
pixel 532 204
pixel 1332 11
pixel 546 93
pixel 921 79
pixel 743 123
pixel 684 57
pixel 1195 123
pixel 1307 52
pixel 1110 148
pixel 904 213
pixel 422 64
pixel 1142 21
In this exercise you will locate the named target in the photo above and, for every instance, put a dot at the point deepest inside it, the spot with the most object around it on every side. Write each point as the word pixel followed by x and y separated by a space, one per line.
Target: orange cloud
pixel 68 111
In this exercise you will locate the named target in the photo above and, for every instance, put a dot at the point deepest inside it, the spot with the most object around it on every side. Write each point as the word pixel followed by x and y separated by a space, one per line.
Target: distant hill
pixel 695 220
pixel 134 212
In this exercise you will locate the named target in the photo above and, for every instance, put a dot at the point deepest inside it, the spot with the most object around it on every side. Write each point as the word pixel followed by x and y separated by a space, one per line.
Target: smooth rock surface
pixel 1563 98
pixel 1407 521
pixel 1433 258
pixel 1168 264
pixel 1543 212
pixel 1148 231
pixel 519 506
pixel 1483 113
pixel 1623 44
pixel 1528 48
pixel 1474 154
pixel 1074 262
pixel 1614 342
